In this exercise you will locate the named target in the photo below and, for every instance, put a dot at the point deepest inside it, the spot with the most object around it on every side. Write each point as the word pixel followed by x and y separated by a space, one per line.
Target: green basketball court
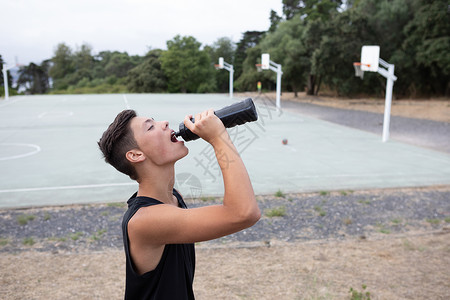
pixel 49 155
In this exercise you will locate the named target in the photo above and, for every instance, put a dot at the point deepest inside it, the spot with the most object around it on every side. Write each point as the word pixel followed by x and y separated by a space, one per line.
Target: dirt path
pixel 412 266
pixel 429 109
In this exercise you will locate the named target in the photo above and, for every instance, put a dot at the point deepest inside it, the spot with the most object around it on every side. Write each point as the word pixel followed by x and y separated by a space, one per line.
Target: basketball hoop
pixel 358 72
pixel 259 67
pixel 217 67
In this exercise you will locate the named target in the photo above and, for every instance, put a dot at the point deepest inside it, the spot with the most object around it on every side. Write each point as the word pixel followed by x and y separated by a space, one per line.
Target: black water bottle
pixel 235 114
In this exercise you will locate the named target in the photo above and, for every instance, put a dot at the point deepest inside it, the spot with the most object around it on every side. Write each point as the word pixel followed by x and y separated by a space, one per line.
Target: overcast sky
pixel 31 29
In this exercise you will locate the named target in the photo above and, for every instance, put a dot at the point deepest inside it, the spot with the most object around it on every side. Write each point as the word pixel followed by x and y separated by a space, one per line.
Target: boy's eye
pixel 150 128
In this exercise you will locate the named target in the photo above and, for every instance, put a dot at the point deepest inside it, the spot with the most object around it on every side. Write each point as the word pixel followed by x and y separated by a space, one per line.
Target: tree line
pixel 316 42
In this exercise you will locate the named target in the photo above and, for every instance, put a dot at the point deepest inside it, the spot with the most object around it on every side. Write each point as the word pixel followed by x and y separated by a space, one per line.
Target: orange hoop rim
pixel 361 64
pixel 258 67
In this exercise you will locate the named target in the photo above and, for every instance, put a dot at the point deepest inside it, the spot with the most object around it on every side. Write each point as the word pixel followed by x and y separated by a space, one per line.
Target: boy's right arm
pixel 167 224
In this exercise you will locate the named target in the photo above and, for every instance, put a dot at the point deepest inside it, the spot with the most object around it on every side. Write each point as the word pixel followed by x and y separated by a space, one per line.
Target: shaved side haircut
pixel 117 140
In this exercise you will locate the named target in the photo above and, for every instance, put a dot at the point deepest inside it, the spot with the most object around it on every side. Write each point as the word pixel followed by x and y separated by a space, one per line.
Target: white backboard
pixel 369 58
pixel 221 62
pixel 265 61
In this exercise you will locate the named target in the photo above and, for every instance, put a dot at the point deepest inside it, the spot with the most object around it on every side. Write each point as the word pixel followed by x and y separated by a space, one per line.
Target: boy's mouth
pixel 173 138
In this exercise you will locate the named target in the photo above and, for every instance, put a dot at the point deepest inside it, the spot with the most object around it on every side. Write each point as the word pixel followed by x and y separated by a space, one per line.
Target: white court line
pixel 36 150
pixel 67 187
pixel 126 101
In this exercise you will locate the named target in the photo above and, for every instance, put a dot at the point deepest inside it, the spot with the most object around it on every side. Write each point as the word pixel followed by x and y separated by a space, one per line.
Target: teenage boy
pixel 158 231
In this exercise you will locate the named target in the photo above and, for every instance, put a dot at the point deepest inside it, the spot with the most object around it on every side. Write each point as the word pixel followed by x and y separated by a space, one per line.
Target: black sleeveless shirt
pixel 173 276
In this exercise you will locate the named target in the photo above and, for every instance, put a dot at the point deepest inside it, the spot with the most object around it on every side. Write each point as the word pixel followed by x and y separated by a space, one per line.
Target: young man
pixel 158 230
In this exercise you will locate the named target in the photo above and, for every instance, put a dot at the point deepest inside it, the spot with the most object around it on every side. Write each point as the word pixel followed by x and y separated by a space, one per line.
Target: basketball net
pixel 358 72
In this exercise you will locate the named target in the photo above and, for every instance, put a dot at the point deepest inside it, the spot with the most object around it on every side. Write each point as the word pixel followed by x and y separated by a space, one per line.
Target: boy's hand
pixel 207 125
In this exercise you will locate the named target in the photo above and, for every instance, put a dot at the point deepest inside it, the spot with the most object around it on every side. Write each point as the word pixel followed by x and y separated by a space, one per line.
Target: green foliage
pixel 98 235
pixel 320 210
pixel 223 47
pixel 33 78
pixel 9 77
pixel 3 241
pixel 148 77
pixel 187 67
pixel 357 295
pixel 76 235
pixel 249 40
pixel 280 194
pixel 286 47
pixel 315 41
pixel 276 212
pixel 24 219
pixel 29 241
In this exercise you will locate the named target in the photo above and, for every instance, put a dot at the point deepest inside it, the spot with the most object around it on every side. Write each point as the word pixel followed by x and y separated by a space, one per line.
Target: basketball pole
pixel 389 74
pixel 273 66
pixel 5 80
pixel 229 67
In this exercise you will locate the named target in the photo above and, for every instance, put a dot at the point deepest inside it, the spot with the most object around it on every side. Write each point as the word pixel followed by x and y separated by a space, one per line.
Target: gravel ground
pixel 286 218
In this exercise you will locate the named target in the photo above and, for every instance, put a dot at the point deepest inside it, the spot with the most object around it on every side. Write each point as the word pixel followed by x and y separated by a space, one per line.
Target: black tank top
pixel 173 276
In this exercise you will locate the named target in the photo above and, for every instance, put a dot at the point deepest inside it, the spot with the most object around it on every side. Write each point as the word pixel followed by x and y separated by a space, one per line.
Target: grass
pixel 345 193
pixel 3 242
pixel 206 199
pixel 434 221
pixel 117 204
pixel 365 202
pixel 396 221
pixel 97 235
pixel 24 219
pixel 75 236
pixel 47 216
pixel 324 193
pixel 320 211
pixel 279 211
pixel 279 194
pixel 29 241
pixel 357 295
pixel 383 229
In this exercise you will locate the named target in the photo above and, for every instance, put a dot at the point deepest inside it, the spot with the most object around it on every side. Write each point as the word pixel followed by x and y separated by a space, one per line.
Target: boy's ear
pixel 135 156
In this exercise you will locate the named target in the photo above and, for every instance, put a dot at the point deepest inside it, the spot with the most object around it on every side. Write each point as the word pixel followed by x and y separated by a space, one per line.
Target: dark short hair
pixel 117 140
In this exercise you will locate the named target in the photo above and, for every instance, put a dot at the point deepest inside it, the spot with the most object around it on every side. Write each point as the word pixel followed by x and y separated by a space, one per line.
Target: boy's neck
pixel 158 185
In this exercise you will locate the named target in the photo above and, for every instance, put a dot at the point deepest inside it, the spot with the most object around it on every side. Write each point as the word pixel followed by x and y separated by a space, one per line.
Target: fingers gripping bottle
pixel 235 114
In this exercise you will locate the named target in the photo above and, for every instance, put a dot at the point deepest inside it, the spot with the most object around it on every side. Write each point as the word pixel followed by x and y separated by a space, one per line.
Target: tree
pixel 63 65
pixel 7 74
pixel 425 50
pixel 187 67
pixel 339 46
pixel 223 47
pixel 311 9
pixel 291 8
pixel 249 40
pixel 275 19
pixel 286 47
pixel 148 77
pixel 83 62
pixel 34 78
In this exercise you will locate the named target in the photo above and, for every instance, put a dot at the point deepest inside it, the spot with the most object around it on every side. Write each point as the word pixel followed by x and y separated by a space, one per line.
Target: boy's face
pixel 157 141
